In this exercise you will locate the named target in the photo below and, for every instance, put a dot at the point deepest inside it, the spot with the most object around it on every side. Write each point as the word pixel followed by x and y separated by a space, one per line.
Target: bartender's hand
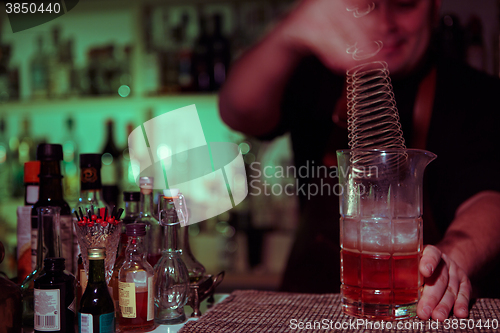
pixel 327 29
pixel 446 286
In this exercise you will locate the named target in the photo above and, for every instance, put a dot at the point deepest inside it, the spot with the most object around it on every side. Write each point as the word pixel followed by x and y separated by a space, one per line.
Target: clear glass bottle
pixel 10 302
pixel 146 216
pixel 54 298
pixel 97 311
pixel 195 269
pixel 135 283
pixel 170 273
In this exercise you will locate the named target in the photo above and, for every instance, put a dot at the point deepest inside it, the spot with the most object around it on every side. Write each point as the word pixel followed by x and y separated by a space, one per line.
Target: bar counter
pixel 263 311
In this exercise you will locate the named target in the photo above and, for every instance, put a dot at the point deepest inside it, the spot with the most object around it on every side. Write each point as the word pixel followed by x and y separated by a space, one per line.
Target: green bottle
pixel 97 310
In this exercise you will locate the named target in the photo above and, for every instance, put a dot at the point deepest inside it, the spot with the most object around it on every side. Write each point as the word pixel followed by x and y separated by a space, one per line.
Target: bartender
pixel 293 81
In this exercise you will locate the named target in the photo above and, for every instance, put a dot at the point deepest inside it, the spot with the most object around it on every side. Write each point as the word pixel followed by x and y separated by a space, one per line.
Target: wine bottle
pixel 111 167
pixel 50 195
pixel 55 298
pixel 135 284
pixel 97 311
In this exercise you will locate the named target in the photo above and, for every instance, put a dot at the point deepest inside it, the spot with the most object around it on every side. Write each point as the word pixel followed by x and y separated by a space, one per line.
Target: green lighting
pixel 107 159
pixel 124 91
pixel 244 148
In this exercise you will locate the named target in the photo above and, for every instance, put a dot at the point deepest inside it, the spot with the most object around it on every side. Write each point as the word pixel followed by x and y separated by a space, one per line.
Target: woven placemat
pixel 264 311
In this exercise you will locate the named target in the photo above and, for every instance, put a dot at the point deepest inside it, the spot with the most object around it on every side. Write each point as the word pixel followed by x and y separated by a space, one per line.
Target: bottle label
pixel 85 323
pixel 151 309
pixel 90 179
pixel 127 299
pixel 47 310
pixel 83 280
pixel 32 194
pixel 107 323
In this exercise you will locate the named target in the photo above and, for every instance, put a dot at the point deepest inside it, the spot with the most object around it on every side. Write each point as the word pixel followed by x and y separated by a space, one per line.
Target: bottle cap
pixel 96 253
pixel 171 193
pixel 146 185
pixel 31 172
pixel 54 264
pixel 49 152
pixel 136 229
pixel 145 181
pixel 131 196
pixel 90 160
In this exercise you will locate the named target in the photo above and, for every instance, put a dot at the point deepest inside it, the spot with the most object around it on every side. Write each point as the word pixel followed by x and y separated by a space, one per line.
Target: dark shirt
pixel 462 132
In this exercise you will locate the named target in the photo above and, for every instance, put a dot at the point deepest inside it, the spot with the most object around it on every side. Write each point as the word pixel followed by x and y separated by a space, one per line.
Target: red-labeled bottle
pixel 135 284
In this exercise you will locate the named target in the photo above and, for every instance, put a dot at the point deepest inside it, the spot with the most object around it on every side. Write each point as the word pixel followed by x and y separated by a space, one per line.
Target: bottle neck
pixel 96 271
pixel 50 181
pixel 136 249
pixel 147 203
pixel 92 197
pixel 171 236
pixel 48 241
pixel 131 208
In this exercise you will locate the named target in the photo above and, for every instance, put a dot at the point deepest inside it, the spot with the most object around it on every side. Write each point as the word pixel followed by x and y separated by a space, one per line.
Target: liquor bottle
pixel 90 188
pixel 128 181
pixel 201 57
pixel 146 216
pixel 221 54
pixel 26 243
pixel 90 182
pixel 131 200
pixel 70 163
pixel 54 298
pixel 97 311
pixel 171 278
pixel 48 245
pixel 39 72
pixel 50 195
pixel 111 166
pixel 135 283
pixel 10 302
pixel 58 67
pixel 5 160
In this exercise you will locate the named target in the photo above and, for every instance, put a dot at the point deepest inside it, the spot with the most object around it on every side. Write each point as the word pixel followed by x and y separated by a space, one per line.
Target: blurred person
pixel 293 81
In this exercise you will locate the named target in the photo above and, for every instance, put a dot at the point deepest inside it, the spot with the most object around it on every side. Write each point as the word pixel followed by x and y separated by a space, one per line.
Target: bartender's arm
pixel 250 99
pixel 470 242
